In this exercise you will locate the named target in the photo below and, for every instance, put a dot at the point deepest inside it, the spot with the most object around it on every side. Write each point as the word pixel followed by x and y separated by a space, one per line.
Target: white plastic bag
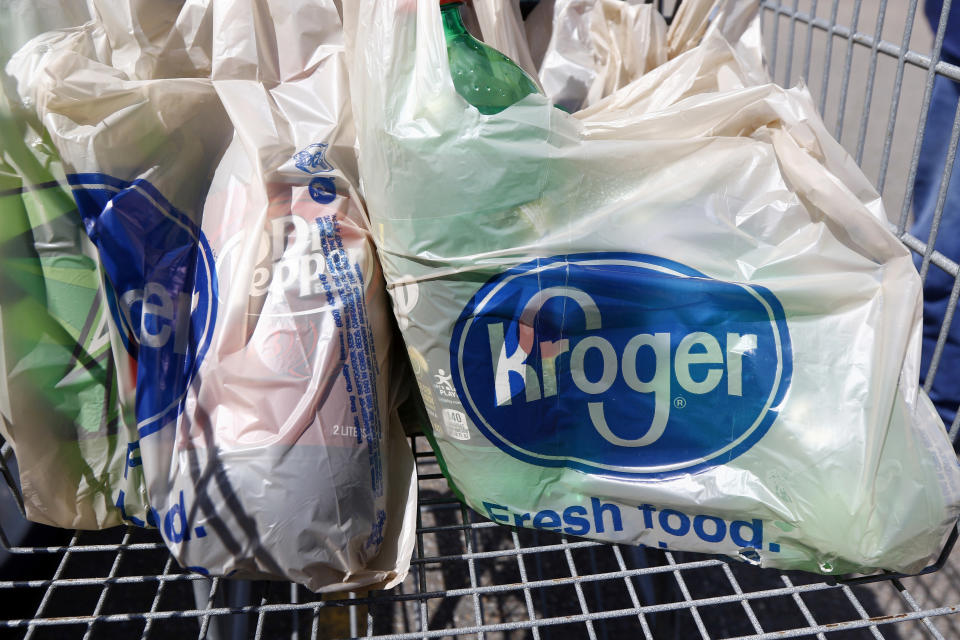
pixel 58 387
pixel 212 153
pixel 501 26
pixel 678 320
pixel 304 310
pixel 598 46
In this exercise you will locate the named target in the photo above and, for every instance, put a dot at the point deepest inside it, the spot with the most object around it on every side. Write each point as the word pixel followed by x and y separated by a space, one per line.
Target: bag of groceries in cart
pixel 212 156
pixel 58 381
pixel 675 318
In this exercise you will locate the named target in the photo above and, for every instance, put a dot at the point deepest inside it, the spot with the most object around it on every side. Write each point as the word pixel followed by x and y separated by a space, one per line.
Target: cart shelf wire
pixel 469 577
pixel 870 65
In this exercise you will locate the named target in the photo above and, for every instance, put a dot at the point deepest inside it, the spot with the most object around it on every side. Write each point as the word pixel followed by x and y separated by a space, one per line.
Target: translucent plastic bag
pixel 501 26
pixel 677 319
pixel 598 46
pixel 58 382
pixel 212 154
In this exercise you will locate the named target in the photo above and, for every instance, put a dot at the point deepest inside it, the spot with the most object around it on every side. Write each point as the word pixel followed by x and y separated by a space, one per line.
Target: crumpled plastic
pixel 677 318
pixel 598 46
pixel 502 27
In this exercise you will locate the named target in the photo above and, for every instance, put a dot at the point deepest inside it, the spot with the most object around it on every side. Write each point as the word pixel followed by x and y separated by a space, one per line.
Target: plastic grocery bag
pixel 677 320
pixel 598 46
pixel 304 309
pixel 58 383
pixel 501 26
pixel 216 177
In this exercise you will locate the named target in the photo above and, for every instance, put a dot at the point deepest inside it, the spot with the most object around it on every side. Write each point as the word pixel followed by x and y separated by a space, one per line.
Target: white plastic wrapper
pixel 501 26
pixel 598 46
pixel 676 320
pixel 211 151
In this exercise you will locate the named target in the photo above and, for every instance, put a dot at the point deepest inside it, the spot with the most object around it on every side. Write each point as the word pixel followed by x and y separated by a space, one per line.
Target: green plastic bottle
pixel 485 78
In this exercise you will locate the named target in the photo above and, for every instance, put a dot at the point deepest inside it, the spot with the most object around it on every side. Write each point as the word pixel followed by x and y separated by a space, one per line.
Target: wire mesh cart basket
pixel 871 65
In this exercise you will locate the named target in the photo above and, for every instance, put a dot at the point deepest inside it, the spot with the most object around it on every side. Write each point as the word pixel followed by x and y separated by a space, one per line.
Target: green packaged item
pixel 485 78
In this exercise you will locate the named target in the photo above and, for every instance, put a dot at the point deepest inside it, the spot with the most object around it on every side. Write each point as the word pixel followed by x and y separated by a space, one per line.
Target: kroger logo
pixel 621 364
pixel 161 287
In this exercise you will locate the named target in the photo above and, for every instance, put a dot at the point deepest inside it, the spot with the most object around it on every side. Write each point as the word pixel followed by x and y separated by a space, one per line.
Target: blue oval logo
pixel 161 287
pixel 621 364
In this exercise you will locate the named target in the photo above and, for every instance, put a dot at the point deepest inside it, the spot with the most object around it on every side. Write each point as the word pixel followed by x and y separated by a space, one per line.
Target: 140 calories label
pixel 621 364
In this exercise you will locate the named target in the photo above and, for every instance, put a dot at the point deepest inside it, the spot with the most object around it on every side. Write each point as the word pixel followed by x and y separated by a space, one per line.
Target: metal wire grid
pixel 878 123
pixel 473 577
pixel 469 577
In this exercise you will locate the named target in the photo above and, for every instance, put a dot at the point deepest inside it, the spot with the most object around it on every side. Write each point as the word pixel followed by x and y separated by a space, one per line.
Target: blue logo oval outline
pixel 94 192
pixel 732 450
pixel 159 420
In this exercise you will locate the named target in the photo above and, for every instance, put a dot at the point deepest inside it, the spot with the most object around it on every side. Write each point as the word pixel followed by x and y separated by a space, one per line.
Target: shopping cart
pixel 870 65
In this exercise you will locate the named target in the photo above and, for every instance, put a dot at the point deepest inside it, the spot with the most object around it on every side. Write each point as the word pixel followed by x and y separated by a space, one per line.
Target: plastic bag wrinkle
pixel 700 163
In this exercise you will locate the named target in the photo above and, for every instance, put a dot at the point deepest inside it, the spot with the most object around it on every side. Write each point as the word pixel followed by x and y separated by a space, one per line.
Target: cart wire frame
pixel 473 577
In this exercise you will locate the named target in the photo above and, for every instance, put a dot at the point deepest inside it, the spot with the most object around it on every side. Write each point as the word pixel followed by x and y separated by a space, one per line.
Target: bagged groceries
pixel 58 383
pixel 598 46
pixel 676 319
pixel 211 151
pixel 302 366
